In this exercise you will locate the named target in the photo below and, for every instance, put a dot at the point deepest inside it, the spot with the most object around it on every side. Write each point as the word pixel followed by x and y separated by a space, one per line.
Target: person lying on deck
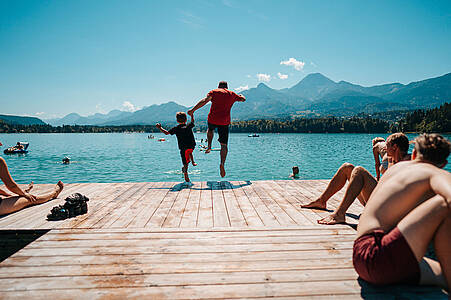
pixel 20 199
pixel 361 182
pixel 410 208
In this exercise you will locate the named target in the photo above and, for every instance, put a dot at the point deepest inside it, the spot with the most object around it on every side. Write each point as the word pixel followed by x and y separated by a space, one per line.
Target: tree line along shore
pixel 431 120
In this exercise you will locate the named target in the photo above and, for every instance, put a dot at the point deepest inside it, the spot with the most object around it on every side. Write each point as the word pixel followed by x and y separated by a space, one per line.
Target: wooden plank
pixel 264 213
pixel 134 209
pixel 285 202
pixel 175 214
pixel 177 279
pixel 205 216
pixel 233 206
pixel 150 204
pixel 191 211
pixel 293 289
pixel 220 211
pixel 122 206
pixel 282 217
pixel 337 258
pixel 249 213
pixel 104 205
pixel 161 213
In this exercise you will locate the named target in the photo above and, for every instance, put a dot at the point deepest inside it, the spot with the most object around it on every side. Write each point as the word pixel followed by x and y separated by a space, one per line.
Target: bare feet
pixel 208 150
pixel 59 187
pixel 222 170
pixel 332 219
pixel 318 204
pixel 30 187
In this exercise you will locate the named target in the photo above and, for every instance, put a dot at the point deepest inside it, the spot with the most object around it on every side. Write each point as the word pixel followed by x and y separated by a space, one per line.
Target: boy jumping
pixel 185 139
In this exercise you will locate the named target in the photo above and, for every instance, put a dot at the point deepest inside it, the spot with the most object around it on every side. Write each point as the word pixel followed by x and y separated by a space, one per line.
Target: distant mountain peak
pixel 317 78
pixel 261 85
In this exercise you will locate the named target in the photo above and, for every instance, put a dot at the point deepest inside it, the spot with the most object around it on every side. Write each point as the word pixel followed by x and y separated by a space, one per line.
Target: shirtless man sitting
pixel 361 182
pixel 410 207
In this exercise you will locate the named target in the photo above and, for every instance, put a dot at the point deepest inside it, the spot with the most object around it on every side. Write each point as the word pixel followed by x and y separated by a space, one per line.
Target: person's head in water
pixel 295 173
pixel 222 85
pixel 432 148
pixel 181 117
pixel 66 160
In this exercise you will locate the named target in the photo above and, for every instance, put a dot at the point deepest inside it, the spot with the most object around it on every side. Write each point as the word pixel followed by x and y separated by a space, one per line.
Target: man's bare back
pixel 402 188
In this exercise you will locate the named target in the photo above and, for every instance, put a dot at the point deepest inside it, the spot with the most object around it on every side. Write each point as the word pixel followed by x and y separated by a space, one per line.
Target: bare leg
pixel 224 151
pixel 192 159
pixel 336 183
pixel 210 133
pixel 361 183
pixel 185 172
pixel 15 203
pixel 431 219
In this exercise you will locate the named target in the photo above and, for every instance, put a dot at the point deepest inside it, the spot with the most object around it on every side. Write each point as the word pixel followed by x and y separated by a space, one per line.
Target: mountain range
pixel 314 95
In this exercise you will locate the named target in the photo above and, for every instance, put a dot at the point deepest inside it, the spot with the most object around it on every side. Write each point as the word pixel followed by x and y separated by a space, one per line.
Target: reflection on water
pixel 135 158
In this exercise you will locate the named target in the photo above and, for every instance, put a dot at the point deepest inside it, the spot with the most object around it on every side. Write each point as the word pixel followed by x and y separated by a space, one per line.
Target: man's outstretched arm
pixel 199 105
pixel 241 98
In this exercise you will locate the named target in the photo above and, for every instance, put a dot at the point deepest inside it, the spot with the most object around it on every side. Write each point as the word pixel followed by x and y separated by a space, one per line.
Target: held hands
pixel 158 125
pixel 190 112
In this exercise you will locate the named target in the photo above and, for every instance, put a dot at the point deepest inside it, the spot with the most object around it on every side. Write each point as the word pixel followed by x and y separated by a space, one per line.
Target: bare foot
pixel 194 164
pixel 222 170
pixel 59 187
pixel 30 187
pixel 332 219
pixel 208 150
pixel 318 204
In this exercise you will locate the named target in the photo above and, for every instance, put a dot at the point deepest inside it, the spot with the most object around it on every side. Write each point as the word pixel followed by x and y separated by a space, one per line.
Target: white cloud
pixel 298 65
pixel 191 19
pixel 282 76
pixel 39 113
pixel 100 109
pixel 128 106
pixel 248 76
pixel 242 88
pixel 264 77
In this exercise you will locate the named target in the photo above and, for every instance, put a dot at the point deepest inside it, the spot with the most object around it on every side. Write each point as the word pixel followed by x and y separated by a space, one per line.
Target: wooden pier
pixel 163 240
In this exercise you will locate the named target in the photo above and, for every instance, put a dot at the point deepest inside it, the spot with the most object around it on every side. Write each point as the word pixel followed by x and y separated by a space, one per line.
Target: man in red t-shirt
pixel 219 117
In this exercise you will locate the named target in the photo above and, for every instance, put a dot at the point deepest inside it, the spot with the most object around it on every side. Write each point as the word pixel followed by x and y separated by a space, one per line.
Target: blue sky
pixel 58 57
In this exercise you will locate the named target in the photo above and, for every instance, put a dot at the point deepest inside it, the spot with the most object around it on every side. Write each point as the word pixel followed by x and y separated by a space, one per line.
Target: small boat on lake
pixel 20 148
pixel 253 135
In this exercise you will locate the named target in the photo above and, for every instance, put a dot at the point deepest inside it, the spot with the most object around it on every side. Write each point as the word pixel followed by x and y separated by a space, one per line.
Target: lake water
pixel 120 157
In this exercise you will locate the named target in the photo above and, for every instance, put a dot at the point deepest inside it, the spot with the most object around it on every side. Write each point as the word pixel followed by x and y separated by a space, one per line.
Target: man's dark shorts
pixel 223 132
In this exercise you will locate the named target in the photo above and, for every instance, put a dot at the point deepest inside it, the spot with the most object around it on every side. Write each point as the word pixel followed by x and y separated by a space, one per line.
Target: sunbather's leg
pixel 430 220
pixel 336 183
pixel 15 203
pixel 361 184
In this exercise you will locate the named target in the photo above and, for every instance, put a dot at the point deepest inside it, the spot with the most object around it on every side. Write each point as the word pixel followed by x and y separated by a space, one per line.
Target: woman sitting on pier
pixel 10 203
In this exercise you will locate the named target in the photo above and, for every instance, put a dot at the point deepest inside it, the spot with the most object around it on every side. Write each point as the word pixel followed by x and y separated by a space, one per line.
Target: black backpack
pixel 76 204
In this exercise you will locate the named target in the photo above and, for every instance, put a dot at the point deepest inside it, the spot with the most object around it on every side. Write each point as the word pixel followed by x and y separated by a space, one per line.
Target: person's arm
pixel 441 184
pixel 192 117
pixel 10 184
pixel 199 104
pixel 162 129
pixel 241 98
pixel 377 161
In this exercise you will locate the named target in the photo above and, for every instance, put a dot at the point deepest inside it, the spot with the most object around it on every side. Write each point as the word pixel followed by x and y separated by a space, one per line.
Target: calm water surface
pixel 119 157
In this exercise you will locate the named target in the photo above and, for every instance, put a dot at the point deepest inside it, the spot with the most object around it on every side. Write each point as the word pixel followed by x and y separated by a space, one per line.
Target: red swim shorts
pixel 185 154
pixel 385 258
